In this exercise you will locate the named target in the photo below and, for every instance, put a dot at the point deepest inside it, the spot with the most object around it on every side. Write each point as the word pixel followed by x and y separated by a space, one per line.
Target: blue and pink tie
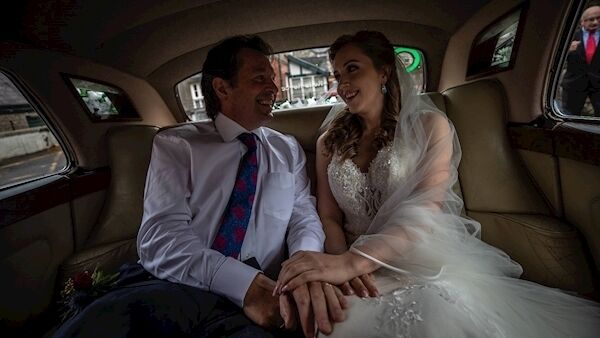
pixel 235 219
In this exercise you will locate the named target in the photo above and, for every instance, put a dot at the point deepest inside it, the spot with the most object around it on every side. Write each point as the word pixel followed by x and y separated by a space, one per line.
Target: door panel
pixel 564 161
pixel 544 168
pixel 38 229
pixel 581 195
pixel 30 253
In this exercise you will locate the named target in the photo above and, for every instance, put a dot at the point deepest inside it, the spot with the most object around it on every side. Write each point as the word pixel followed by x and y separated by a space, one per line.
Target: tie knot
pixel 248 140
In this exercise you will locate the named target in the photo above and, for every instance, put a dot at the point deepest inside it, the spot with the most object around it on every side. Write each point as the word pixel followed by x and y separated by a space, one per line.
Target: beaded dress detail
pixel 359 194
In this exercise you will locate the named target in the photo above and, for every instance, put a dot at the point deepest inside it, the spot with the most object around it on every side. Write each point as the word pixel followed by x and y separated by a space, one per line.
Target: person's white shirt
pixel 190 179
pixel 586 34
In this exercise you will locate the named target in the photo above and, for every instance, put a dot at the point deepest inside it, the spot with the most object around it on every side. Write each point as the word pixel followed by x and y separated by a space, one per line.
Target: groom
pixel 223 204
pixel 221 199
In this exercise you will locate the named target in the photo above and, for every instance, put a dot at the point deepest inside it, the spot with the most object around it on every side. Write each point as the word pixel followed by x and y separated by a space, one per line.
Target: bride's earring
pixel 383 89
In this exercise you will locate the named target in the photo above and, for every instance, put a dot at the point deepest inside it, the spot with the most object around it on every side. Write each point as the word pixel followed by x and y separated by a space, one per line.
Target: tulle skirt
pixel 467 304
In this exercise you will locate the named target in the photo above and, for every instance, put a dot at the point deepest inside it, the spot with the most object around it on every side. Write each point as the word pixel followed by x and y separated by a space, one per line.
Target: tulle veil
pixel 419 231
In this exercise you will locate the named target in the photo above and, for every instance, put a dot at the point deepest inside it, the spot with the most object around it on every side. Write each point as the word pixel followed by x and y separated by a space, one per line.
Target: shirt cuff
pixel 232 280
pixel 306 244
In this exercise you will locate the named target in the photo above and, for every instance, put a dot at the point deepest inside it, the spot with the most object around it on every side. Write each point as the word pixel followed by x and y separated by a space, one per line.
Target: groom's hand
pixel 320 303
pixel 260 305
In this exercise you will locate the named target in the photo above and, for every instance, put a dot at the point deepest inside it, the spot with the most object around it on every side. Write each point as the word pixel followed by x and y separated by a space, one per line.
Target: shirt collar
pixel 229 129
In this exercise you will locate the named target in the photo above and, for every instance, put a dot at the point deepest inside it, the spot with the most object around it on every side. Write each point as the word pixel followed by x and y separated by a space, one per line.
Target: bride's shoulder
pixel 321 140
pixel 435 123
pixel 323 135
pixel 321 148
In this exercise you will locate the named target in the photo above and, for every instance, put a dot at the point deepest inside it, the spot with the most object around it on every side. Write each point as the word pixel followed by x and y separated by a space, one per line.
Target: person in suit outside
pixel 582 76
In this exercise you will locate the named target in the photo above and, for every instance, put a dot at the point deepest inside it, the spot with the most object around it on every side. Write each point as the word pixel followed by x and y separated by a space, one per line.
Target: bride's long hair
pixel 346 129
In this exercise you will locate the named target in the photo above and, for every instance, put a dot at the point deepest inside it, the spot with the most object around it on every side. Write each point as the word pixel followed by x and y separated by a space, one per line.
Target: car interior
pixel 530 174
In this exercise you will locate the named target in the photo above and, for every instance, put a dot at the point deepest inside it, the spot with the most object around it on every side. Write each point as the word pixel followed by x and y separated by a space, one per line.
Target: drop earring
pixel 383 89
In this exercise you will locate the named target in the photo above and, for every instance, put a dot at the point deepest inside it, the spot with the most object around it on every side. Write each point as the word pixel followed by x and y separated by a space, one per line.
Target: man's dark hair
pixel 222 61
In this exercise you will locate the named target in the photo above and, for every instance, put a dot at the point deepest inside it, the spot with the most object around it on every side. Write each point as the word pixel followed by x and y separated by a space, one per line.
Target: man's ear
pixel 221 88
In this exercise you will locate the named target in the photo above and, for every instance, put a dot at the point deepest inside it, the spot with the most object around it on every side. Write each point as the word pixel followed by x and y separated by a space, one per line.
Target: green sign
pixel 411 58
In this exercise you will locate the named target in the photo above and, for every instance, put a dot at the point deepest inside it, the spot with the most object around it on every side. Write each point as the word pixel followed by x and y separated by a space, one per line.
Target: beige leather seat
pixel 500 194
pixel 113 239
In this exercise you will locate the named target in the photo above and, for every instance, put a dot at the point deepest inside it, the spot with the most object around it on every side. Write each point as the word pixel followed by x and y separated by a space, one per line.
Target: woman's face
pixel 359 83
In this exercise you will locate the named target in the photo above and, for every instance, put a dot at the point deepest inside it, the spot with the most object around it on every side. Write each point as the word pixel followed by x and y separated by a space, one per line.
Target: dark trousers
pixel 158 308
pixel 573 100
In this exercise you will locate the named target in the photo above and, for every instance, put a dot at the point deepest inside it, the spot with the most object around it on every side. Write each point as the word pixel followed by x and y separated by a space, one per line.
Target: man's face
pixel 251 96
pixel 590 20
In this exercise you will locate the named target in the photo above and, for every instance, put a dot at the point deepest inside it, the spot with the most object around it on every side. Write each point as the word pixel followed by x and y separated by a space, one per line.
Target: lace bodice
pixel 359 195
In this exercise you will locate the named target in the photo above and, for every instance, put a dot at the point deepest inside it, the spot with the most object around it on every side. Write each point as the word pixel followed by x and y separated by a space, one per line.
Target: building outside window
pixel 197 98
pixel 303 77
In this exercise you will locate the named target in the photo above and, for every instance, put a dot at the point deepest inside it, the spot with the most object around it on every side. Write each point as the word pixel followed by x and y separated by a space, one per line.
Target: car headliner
pixel 124 34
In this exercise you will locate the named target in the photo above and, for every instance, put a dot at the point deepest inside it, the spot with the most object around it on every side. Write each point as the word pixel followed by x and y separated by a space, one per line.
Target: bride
pixel 385 170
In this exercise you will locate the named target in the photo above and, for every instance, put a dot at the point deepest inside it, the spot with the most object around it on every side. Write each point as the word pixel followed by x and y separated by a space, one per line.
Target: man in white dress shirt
pixel 198 290
pixel 191 178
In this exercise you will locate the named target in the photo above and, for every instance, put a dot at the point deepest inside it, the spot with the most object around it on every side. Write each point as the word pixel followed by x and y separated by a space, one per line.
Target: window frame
pixel 557 61
pixel 67 79
pixel 523 7
pixel 70 162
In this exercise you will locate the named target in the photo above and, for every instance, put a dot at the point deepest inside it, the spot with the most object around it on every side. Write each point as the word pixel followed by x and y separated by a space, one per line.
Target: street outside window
pixel 28 148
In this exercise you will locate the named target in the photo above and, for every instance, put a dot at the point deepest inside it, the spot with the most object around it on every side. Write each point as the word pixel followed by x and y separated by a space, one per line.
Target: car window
pixel 304 78
pixel 494 49
pixel 575 93
pixel 28 148
pixel 102 101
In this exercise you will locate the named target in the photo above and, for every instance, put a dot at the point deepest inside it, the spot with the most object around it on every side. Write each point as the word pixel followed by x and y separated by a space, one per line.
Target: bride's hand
pixel 307 266
pixel 362 286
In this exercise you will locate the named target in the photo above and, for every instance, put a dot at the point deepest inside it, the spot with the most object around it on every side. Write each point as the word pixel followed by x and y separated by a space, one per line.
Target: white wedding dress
pixel 457 300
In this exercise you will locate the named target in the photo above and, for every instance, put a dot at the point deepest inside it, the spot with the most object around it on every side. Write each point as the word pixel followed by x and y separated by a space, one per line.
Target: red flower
pixel 83 281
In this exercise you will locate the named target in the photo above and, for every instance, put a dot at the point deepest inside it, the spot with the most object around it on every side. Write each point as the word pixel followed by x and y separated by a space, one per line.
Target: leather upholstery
pixel 303 124
pixel 544 170
pixel 499 193
pixel 491 173
pixel 548 249
pixel 112 242
pixel 437 99
pixel 129 150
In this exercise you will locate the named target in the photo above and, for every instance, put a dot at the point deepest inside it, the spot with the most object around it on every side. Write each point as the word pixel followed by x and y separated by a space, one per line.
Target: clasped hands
pixel 310 290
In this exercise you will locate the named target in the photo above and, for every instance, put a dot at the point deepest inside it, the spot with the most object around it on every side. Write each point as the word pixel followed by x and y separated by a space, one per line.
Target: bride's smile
pixel 359 82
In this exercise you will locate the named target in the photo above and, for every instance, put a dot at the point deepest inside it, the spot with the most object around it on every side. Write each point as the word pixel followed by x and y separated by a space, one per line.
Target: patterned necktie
pixel 590 48
pixel 237 214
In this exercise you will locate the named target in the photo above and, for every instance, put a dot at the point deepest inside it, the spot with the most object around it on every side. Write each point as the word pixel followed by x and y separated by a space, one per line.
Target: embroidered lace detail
pixel 359 194
pixel 401 311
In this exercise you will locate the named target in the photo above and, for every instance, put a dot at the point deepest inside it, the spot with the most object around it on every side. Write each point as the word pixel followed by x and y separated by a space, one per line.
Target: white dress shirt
pixel 190 179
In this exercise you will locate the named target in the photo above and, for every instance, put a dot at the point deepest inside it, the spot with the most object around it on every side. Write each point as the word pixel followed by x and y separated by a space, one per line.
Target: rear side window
pixel 28 148
pixel 494 49
pixel 304 78
pixel 575 89
pixel 102 101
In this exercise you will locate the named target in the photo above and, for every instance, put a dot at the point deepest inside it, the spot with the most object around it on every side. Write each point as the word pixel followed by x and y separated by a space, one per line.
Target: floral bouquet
pixel 83 288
